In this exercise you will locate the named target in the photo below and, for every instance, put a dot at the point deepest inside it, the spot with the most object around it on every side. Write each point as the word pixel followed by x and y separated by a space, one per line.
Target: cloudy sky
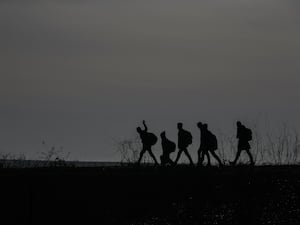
pixel 83 74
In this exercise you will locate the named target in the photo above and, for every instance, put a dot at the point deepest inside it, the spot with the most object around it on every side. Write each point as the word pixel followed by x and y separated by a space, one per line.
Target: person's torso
pixel 168 146
pixel 183 138
pixel 242 134
pixel 143 135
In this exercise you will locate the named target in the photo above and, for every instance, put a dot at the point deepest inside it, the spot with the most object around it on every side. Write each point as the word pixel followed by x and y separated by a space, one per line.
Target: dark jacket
pixel 243 143
pixel 184 139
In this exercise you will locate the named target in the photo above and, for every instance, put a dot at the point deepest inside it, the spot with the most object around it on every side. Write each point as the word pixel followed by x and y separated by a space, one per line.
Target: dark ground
pixel 151 195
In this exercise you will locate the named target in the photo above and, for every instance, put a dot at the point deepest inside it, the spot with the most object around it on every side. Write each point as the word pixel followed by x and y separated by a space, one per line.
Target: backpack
pixel 188 138
pixel 172 146
pixel 151 138
pixel 213 142
pixel 248 134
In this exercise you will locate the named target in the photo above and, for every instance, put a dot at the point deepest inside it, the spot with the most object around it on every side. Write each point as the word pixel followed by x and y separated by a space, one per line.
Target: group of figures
pixel 208 144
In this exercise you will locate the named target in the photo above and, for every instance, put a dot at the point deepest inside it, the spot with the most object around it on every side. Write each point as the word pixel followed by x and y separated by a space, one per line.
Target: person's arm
pixel 238 133
pixel 179 139
pixel 144 123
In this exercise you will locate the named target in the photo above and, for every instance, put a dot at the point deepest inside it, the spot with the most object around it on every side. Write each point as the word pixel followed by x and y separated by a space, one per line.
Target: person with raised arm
pixel 148 140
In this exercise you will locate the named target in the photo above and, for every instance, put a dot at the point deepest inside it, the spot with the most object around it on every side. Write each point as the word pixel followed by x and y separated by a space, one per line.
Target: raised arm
pixel 144 123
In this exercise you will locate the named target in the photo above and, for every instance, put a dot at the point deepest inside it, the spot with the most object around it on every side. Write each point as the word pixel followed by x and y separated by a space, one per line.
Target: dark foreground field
pixel 151 195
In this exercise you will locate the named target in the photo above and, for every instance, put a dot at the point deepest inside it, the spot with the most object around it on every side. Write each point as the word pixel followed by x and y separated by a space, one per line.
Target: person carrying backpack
pixel 244 135
pixel 185 138
pixel 168 147
pixel 148 140
pixel 209 144
pixel 203 149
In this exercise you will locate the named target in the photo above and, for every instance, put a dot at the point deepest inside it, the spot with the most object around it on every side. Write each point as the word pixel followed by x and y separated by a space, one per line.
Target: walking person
pixel 168 147
pixel 185 138
pixel 148 140
pixel 209 144
pixel 203 149
pixel 244 135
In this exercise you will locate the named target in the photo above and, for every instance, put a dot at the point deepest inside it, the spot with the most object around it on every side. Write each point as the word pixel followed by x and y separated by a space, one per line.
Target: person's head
pixel 139 130
pixel 205 126
pixel 199 124
pixel 238 124
pixel 163 134
pixel 179 126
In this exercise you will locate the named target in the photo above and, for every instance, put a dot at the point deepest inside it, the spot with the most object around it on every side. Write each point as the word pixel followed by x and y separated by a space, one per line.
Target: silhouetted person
pixel 148 140
pixel 203 149
pixel 185 138
pixel 168 147
pixel 244 135
pixel 209 144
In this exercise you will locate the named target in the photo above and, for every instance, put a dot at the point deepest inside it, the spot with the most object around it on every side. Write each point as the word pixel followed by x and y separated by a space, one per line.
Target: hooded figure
pixel 168 147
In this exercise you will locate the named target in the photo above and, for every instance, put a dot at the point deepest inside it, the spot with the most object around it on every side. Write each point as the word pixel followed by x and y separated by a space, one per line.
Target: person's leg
pixel 178 156
pixel 200 157
pixel 237 156
pixel 189 156
pixel 141 155
pixel 153 156
pixel 169 160
pixel 216 157
pixel 250 156
pixel 208 158
pixel 162 160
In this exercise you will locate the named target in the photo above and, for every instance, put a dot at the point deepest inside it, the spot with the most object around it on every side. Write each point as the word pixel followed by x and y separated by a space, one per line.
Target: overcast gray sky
pixel 83 74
